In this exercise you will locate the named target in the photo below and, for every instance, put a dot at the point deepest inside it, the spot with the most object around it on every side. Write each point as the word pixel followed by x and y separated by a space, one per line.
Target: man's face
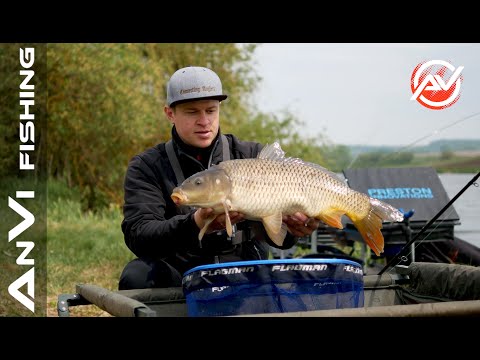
pixel 196 121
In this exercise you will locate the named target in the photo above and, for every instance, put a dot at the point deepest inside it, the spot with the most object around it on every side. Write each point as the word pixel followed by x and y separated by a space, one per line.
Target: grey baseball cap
pixel 194 83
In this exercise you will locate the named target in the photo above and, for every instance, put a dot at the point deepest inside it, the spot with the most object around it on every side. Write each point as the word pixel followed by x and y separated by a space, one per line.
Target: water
pixel 467 205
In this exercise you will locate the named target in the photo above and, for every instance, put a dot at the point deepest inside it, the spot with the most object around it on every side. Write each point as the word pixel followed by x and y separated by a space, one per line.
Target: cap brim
pixel 217 97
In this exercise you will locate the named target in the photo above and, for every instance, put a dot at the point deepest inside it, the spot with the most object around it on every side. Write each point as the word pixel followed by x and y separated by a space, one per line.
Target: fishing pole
pixel 397 256
pixel 406 147
pixel 436 131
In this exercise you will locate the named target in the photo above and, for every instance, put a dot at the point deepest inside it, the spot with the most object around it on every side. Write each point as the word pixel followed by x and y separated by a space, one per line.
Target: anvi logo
pixel 436 84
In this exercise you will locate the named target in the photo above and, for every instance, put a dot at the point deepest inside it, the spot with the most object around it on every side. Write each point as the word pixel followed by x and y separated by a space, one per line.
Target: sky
pixel 360 93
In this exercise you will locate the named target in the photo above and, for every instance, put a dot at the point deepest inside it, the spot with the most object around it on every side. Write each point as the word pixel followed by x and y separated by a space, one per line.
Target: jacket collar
pixel 200 155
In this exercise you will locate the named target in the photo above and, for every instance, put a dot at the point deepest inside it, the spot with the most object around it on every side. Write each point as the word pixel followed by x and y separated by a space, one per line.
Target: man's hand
pixel 201 217
pixel 300 225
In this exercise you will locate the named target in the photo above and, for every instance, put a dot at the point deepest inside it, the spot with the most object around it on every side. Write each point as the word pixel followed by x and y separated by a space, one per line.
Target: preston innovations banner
pixel 23 119
pixel 417 188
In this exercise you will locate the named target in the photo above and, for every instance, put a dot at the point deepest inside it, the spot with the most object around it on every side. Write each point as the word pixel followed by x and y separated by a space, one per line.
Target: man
pixel 165 236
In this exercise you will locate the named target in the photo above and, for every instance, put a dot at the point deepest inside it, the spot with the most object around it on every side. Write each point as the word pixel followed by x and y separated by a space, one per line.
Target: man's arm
pixel 146 231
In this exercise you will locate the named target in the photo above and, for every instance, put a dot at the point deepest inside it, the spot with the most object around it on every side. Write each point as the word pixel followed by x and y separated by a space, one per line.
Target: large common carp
pixel 270 186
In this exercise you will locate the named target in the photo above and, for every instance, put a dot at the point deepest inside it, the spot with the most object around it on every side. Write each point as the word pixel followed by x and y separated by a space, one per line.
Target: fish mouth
pixel 179 197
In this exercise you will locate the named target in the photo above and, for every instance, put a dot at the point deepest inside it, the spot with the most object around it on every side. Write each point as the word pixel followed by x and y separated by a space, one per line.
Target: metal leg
pixel 363 256
pixel 313 242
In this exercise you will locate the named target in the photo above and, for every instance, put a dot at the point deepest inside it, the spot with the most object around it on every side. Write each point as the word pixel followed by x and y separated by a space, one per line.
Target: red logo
pixel 436 84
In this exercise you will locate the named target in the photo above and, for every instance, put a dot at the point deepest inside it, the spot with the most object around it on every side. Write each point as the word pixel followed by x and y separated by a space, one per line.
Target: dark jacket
pixel 155 228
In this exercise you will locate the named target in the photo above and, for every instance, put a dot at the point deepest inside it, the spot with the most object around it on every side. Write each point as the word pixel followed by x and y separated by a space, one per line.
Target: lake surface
pixel 467 205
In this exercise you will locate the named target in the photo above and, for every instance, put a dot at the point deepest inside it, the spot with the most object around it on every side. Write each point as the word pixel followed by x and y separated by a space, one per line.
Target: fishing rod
pixel 436 131
pixel 406 147
pixel 406 246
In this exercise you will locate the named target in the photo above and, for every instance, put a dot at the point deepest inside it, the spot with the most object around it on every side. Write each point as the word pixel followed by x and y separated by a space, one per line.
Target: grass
pixel 71 247
pixel 82 247
pixel 12 250
pixel 456 163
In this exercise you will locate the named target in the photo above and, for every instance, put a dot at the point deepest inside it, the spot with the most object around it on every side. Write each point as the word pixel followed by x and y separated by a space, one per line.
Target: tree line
pixel 104 104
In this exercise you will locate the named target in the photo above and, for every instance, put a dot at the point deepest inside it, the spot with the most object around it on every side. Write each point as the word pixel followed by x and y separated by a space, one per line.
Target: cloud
pixel 360 93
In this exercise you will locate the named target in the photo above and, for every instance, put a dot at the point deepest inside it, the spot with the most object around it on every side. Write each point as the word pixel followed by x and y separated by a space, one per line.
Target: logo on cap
pixel 197 90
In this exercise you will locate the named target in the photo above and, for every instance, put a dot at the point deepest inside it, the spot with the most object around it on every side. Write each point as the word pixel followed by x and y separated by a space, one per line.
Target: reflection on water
pixel 467 205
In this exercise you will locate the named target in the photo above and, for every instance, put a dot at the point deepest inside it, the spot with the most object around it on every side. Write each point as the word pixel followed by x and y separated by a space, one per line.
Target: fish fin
pixel 386 211
pixel 369 227
pixel 272 152
pixel 208 221
pixel 332 217
pixel 228 222
pixel 275 228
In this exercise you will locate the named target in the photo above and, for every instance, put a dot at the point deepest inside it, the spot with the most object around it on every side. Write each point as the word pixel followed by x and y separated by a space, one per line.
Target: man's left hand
pixel 300 225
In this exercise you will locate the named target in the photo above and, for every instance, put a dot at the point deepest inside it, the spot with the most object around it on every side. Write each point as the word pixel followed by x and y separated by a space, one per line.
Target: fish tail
pixel 369 226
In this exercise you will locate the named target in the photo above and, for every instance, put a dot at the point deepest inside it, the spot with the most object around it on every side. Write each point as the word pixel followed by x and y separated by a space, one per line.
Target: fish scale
pixel 290 186
pixel 270 186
